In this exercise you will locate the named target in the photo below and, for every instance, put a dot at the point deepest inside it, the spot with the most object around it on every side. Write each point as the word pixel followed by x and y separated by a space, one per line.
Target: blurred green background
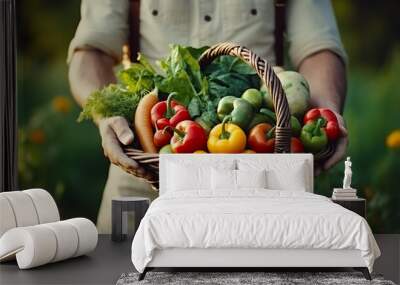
pixel 66 158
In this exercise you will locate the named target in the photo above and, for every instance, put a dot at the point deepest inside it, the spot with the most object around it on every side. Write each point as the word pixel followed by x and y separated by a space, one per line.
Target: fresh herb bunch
pixel 113 100
pixel 121 99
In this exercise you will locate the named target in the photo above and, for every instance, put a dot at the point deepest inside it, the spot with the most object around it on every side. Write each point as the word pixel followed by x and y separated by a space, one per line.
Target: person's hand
pixel 113 132
pixel 341 147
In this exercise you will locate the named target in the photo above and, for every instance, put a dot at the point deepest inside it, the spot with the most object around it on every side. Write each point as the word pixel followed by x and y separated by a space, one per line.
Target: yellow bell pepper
pixel 249 151
pixel 200 151
pixel 226 138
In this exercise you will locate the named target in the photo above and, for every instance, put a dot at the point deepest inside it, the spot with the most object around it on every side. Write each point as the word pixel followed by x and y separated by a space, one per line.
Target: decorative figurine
pixel 347 192
pixel 347 174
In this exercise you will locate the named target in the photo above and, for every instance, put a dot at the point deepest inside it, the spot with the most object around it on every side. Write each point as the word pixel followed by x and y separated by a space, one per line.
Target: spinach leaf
pixel 230 84
pixel 241 67
pixel 230 76
pixel 227 63
pixel 195 107
pixel 197 52
pixel 180 84
pixel 209 114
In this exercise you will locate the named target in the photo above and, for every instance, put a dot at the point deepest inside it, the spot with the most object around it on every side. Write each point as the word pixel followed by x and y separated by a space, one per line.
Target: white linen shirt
pixel 311 26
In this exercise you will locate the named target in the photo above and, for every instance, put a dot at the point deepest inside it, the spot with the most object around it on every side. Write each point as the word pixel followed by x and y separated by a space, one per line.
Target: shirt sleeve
pixel 311 27
pixel 103 26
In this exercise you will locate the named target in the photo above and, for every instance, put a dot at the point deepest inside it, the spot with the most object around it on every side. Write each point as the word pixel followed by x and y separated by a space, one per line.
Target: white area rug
pixel 243 278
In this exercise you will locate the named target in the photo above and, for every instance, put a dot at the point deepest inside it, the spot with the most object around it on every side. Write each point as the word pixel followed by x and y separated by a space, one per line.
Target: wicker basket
pixel 150 161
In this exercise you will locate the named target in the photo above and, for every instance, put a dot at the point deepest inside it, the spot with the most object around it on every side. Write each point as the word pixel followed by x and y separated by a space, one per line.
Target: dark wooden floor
pixel 110 260
pixel 103 266
pixel 389 262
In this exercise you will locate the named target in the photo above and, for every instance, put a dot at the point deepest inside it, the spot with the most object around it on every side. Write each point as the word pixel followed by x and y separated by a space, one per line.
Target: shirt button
pixel 253 11
pixel 207 18
pixel 154 12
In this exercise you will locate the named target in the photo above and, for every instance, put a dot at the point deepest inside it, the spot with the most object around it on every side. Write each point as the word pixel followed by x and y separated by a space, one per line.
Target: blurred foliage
pixel 373 114
pixel 370 31
pixel 66 158
pixel 55 153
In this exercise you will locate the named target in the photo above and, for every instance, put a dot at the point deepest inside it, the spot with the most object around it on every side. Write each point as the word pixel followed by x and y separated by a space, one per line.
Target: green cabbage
pixel 297 93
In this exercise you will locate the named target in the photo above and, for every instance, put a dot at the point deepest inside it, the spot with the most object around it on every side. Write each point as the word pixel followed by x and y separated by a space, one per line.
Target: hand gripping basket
pixel 150 161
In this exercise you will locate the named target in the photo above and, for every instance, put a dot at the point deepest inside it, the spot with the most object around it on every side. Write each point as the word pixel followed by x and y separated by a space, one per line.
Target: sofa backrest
pixel 269 161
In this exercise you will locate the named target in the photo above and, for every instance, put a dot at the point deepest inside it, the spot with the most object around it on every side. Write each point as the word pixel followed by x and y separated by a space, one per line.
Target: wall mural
pixel 66 157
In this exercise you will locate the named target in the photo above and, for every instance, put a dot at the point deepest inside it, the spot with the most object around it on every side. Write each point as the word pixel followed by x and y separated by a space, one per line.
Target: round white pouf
pixel 67 239
pixel 33 246
pixel 7 218
pixel 87 234
pixel 23 208
pixel 45 205
pixel 40 244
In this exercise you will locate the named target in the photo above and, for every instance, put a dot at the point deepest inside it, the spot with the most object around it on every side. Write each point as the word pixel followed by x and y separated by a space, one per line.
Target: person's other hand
pixel 341 147
pixel 113 132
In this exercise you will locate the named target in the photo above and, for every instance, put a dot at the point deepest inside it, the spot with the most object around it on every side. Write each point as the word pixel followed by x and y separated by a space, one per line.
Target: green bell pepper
pixel 260 118
pixel 295 125
pixel 271 115
pixel 239 110
pixel 254 97
pixel 294 122
pixel 313 136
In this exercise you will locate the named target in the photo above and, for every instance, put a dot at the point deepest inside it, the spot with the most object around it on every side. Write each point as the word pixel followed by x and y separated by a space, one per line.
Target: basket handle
pixel 267 74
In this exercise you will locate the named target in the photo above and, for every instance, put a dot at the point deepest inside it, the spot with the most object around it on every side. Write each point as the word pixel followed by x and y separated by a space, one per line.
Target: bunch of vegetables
pixel 221 109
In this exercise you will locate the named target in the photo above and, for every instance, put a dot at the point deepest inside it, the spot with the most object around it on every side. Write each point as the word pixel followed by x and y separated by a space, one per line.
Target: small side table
pixel 121 206
pixel 357 205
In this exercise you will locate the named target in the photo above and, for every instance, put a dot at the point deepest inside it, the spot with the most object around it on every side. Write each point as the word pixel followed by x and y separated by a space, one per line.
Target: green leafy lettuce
pixel 182 74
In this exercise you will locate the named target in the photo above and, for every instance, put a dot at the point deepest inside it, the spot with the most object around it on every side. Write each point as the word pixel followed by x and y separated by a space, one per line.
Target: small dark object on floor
pixel 120 207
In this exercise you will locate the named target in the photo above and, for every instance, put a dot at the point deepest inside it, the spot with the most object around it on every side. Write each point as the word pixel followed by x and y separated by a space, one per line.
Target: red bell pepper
pixel 296 146
pixel 330 122
pixel 188 137
pixel 168 113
